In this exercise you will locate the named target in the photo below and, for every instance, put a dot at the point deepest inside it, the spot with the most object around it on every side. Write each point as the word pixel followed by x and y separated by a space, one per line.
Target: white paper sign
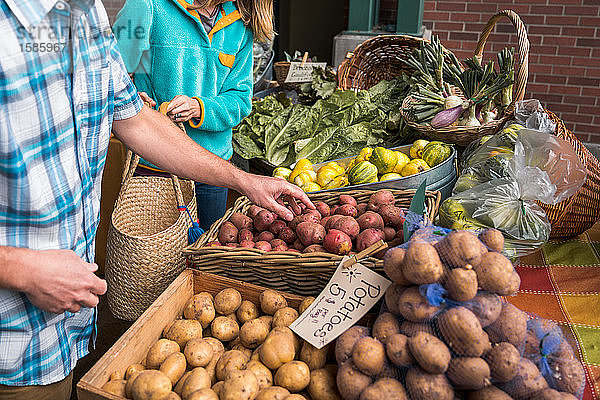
pixel 302 73
pixel 348 296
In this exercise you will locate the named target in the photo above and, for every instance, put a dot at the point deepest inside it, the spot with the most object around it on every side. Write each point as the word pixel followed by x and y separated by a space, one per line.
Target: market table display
pixel 561 282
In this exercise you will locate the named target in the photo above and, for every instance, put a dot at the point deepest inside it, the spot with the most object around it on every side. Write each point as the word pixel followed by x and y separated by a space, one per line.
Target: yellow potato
pixel 305 304
pixel 159 352
pixel 198 352
pixel 116 387
pixel 262 373
pixel 313 357
pixel 271 301
pixel 184 330
pixel 278 349
pixel 179 386
pixel 200 308
pixel 284 317
pixel 247 311
pixel 115 376
pixel 322 385
pixel 273 393
pixel 293 375
pixel 203 394
pixel 241 385
pixel 253 333
pixel 227 301
pixel 129 383
pixel 151 385
pixel 224 329
pixel 174 367
pixel 196 380
pixel 133 368
pixel 232 360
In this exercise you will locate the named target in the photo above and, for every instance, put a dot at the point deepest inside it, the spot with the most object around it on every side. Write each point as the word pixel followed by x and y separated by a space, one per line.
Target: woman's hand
pixel 183 108
pixel 147 99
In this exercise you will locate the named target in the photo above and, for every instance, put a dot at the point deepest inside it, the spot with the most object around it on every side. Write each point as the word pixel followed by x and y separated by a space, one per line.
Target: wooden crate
pixel 131 348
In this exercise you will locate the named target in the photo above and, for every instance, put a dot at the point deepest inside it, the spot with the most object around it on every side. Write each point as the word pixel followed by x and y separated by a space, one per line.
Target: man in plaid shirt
pixel 63 87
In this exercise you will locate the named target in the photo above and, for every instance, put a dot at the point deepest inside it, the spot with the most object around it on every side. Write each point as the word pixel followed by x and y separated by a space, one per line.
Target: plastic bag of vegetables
pixel 499 189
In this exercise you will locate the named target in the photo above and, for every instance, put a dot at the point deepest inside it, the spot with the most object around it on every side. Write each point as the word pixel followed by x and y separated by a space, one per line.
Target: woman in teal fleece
pixel 198 57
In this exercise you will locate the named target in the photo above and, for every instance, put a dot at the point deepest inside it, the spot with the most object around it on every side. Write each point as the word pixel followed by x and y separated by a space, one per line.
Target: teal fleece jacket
pixel 169 52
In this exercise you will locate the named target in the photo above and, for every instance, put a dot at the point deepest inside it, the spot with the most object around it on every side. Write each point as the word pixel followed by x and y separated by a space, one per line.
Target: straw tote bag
pixel 148 231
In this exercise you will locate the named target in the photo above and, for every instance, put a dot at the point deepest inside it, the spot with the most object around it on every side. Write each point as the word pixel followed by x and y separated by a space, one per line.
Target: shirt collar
pixel 30 12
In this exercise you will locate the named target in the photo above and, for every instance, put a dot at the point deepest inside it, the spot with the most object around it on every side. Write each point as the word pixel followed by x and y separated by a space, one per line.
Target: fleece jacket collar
pixel 228 16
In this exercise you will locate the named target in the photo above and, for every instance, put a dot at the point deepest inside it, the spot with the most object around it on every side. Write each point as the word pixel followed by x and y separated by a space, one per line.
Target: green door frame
pixel 363 15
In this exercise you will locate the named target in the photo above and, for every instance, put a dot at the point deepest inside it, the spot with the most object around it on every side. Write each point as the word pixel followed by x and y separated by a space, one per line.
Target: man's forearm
pixel 154 137
pixel 13 264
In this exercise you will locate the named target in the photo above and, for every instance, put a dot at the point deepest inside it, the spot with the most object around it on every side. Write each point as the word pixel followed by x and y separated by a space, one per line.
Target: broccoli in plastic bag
pixel 499 187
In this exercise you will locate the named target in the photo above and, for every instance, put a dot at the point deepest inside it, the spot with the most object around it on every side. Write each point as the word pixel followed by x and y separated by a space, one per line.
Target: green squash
pixel 436 153
pixel 363 172
pixel 385 160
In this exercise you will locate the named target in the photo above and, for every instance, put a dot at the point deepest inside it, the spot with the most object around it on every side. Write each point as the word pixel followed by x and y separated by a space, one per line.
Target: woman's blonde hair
pixel 256 15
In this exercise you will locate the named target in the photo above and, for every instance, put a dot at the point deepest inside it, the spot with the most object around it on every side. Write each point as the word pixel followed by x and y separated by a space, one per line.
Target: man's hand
pixel 270 193
pixel 58 281
pixel 147 99
pixel 183 108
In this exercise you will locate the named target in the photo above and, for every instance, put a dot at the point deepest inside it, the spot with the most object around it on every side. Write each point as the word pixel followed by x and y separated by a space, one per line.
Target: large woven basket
pixel 582 210
pixel 146 237
pixel 302 274
pixel 463 135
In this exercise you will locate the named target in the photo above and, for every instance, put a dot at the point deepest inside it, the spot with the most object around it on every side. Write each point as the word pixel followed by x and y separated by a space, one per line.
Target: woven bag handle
pixel 131 163
pixel 523 49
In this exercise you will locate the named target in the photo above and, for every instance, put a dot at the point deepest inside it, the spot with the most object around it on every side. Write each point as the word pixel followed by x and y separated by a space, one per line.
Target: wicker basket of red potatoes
pixel 252 245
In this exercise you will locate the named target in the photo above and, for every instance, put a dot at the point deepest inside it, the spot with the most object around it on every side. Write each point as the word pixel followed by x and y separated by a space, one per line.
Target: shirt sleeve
pixel 132 29
pixel 127 102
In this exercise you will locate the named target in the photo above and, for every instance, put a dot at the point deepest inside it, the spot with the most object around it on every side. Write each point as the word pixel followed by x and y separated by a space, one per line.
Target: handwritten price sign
pixel 349 295
pixel 299 72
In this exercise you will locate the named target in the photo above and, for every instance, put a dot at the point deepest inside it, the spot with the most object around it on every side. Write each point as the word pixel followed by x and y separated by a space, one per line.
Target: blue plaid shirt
pixel 62 83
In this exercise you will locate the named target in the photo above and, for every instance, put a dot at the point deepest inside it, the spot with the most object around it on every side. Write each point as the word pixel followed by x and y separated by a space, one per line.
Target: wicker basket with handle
pixel 148 231
pixel 463 135
pixel 579 212
pixel 303 274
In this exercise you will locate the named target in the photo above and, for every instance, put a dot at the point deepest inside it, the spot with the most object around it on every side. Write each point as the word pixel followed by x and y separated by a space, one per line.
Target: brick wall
pixel 112 8
pixel 564 59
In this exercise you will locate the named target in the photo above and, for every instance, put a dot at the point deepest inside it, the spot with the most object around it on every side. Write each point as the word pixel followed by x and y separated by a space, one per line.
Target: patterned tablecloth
pixel 561 282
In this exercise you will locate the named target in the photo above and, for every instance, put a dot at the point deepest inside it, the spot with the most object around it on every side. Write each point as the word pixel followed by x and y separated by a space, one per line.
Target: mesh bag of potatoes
pixel 504 180
pixel 444 332
pixel 228 348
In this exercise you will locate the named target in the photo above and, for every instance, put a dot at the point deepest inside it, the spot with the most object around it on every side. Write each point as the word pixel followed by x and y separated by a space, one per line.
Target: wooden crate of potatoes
pixel 209 337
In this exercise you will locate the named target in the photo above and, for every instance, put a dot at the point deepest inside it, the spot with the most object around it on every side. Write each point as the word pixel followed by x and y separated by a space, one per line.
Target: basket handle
pixel 523 49
pixel 131 162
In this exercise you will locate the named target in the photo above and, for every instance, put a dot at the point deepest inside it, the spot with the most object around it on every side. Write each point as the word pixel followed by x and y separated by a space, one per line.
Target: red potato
pixel 392 216
pixel 232 244
pixel 347 199
pixel 265 236
pixel 294 250
pixel 389 233
pixel 348 225
pixel 228 233
pixel 277 242
pixel 214 243
pixel 314 213
pixel 380 198
pixel 247 243
pixel 309 217
pixel 334 209
pixel 347 209
pixel 298 245
pixel 280 247
pixel 310 233
pixel 277 226
pixel 361 208
pixel 337 242
pixel 315 248
pixel 324 221
pixel 263 245
pixel 370 219
pixel 254 210
pixel 323 209
pixel 288 235
pixel 367 238
pixel 245 234
pixel 331 220
pixel 241 221
pixel 263 220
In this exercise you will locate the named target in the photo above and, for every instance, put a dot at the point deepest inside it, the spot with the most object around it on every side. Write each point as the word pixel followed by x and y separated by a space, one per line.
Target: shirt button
pixel 60 6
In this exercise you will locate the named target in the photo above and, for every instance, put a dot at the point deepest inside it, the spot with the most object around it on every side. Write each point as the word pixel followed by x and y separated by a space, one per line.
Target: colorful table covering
pixel 561 282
